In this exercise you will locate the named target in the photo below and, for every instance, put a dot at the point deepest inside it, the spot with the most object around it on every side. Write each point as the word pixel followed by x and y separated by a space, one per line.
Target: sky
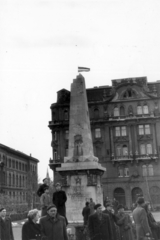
pixel 42 43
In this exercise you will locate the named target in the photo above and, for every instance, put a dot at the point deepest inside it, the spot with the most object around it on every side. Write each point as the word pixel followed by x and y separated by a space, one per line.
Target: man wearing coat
pixel 59 199
pixel 99 225
pixel 141 221
pixel 53 226
pixel 6 232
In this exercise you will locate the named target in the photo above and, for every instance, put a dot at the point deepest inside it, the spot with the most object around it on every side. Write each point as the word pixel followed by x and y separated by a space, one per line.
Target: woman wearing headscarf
pixel 31 229
pixel 125 224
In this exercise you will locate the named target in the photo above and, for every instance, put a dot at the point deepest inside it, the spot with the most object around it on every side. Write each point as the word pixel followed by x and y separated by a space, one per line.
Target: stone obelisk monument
pixel 80 169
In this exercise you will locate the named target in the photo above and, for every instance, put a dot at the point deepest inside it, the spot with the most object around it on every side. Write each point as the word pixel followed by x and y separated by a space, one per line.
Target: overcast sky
pixel 42 43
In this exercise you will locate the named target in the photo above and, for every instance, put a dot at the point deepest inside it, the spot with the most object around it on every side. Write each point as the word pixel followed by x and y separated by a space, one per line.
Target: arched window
pixel 125 150
pixel 96 113
pixel 149 148
pixel 142 149
pixel 116 112
pixel 55 154
pixel 122 112
pixel 150 170
pixel 139 110
pixel 145 109
pixel 144 170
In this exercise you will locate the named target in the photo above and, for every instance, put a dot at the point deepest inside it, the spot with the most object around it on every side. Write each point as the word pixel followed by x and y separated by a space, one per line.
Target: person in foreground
pixel 31 229
pixel 154 226
pixel 99 225
pixel 140 218
pixel 6 232
pixel 53 226
pixel 125 224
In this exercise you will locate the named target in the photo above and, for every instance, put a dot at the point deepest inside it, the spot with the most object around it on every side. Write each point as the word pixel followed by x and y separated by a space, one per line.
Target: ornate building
pixel 125 124
pixel 18 175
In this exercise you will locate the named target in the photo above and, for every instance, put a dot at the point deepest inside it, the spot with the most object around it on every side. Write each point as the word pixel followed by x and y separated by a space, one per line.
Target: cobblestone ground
pixel 17 228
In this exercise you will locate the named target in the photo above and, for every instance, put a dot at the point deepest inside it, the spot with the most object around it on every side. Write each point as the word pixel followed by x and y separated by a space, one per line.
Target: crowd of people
pixel 111 223
pixel 114 223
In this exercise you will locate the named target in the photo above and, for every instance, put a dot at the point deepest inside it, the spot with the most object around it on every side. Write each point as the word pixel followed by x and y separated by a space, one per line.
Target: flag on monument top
pixel 83 69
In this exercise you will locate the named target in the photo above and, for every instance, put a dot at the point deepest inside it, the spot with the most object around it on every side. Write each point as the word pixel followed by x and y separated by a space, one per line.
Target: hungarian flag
pixel 83 69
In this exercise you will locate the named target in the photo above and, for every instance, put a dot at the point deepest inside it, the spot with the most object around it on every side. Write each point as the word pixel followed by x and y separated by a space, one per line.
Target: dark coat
pixel 99 229
pixel 85 214
pixel 125 226
pixel 31 230
pixel 153 225
pixel 141 221
pixel 41 188
pixel 53 230
pixel 113 221
pixel 6 232
pixel 59 199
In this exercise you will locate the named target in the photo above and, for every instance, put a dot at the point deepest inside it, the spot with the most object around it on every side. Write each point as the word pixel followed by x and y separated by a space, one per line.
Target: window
pixel 96 113
pixel 117 131
pixel 125 150
pixel 118 150
pixel 66 134
pixel 147 170
pixel 142 149
pixel 13 179
pixel 19 166
pixel 145 109
pixel 10 163
pixel 66 115
pixel 123 131
pixel 9 179
pixel 149 148
pixel 116 112
pixel 141 130
pixel 16 165
pixel 55 155
pixel 120 131
pixel 144 129
pixel 54 136
pixel 97 133
pixel 139 110
pixel 150 170
pixel 122 111
pixel 13 163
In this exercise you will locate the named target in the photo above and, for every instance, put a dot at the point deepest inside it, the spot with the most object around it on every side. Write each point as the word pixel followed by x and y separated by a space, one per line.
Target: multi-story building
pixel 125 125
pixel 18 175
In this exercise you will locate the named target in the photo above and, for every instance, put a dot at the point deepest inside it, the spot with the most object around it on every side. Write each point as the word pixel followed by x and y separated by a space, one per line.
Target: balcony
pixel 146 157
pixel 54 164
pixel 122 158
pixel 131 116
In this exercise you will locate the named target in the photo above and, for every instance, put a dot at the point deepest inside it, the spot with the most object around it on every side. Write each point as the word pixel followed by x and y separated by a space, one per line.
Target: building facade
pixel 18 176
pixel 125 125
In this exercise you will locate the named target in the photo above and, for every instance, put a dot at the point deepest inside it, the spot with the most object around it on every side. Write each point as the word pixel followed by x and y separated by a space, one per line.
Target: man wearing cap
pixel 141 221
pixel 53 226
pixel 99 225
pixel 40 190
pixel 6 232
pixel 113 220
pixel 59 199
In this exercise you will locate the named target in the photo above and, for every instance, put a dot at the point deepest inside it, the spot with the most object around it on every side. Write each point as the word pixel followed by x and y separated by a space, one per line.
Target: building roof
pixel 16 152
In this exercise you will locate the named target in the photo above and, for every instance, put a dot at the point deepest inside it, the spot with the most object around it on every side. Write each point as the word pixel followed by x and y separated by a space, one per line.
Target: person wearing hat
pixel 141 220
pixel 53 226
pixel 45 201
pixel 99 225
pixel 41 188
pixel 6 232
pixel 59 199
pixel 125 224
pixel 113 220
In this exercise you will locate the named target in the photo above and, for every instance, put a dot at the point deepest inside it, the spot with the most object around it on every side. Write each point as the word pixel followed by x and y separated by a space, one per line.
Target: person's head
pixel 46 190
pixel 52 211
pixel 45 180
pixel 140 201
pixel 58 186
pixel 98 208
pixel 91 200
pixel 3 212
pixel 33 215
pixel 120 208
pixel 109 206
pixel 87 204
pixel 146 206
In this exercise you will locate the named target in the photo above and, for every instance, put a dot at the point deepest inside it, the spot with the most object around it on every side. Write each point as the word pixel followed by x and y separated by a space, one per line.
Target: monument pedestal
pixel 82 181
